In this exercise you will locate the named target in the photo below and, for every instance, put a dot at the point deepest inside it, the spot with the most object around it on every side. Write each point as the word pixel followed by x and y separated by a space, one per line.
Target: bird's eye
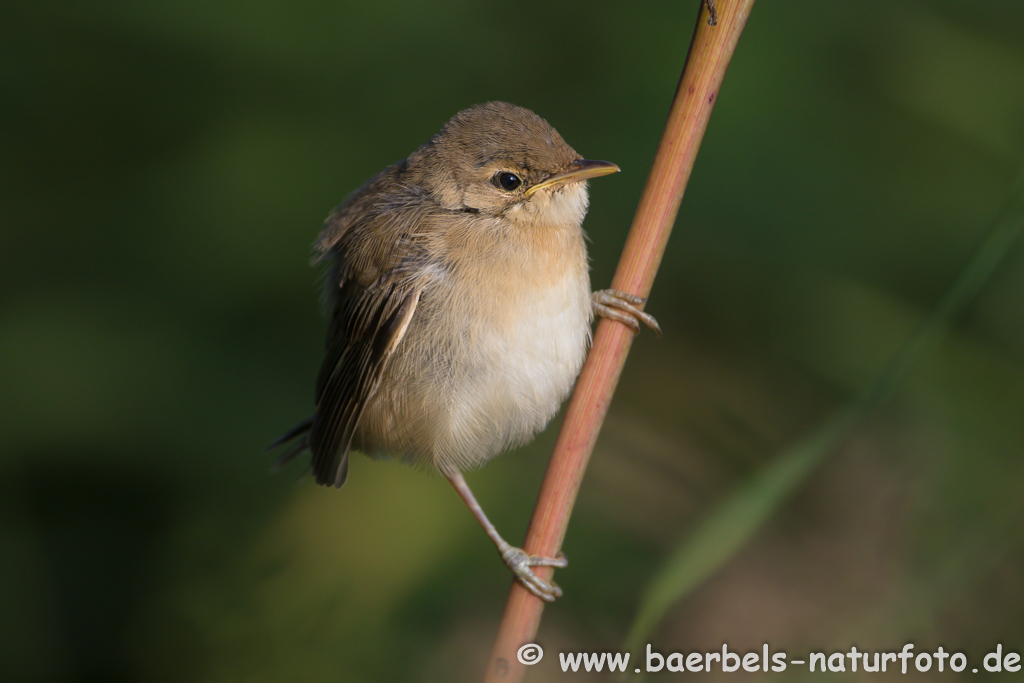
pixel 507 181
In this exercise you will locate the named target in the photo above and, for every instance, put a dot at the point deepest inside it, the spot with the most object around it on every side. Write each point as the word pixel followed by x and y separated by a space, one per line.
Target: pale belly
pixel 469 393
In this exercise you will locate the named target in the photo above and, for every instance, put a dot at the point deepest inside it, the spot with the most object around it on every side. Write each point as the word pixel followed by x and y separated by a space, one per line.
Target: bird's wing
pixel 369 327
pixel 373 292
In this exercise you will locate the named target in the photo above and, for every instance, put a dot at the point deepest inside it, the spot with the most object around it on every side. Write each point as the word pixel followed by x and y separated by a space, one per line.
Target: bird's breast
pixel 493 350
pixel 525 343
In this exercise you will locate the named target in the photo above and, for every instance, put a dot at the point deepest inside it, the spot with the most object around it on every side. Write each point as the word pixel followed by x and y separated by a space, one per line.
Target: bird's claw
pixel 519 562
pixel 621 306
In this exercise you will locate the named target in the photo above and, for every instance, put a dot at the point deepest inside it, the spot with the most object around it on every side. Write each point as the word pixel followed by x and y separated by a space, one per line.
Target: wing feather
pixel 372 291
pixel 352 370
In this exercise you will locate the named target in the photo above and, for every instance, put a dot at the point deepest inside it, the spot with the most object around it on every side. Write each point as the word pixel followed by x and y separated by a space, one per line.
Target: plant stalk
pixel 711 48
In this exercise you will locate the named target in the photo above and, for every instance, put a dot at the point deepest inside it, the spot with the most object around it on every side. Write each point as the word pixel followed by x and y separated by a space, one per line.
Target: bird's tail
pixel 299 435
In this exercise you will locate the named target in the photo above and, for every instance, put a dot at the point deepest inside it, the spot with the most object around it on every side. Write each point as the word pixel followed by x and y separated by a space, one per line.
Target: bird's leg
pixel 516 558
pixel 611 303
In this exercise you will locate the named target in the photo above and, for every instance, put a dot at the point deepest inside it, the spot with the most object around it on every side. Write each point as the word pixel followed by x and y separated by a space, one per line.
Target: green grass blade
pixel 742 513
pixel 731 525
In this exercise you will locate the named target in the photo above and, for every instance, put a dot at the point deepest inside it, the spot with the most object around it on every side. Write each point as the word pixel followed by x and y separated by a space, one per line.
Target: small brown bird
pixel 460 306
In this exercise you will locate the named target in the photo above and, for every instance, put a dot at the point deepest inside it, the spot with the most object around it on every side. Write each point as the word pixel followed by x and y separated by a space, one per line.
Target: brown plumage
pixel 459 303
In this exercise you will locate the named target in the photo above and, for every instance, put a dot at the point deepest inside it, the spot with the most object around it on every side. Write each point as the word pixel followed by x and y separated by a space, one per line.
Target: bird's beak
pixel 581 169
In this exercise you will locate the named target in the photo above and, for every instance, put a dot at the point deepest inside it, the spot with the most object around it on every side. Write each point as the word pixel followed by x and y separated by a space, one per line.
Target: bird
pixel 459 306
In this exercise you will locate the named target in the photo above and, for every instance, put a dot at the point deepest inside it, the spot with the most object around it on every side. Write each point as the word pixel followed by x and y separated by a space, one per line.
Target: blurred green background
pixel 164 169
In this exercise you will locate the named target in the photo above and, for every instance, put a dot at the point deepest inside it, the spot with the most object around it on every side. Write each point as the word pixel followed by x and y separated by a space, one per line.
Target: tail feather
pixel 299 432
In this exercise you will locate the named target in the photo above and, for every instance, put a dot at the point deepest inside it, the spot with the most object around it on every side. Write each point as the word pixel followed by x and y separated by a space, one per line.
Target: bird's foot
pixel 519 562
pixel 620 306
